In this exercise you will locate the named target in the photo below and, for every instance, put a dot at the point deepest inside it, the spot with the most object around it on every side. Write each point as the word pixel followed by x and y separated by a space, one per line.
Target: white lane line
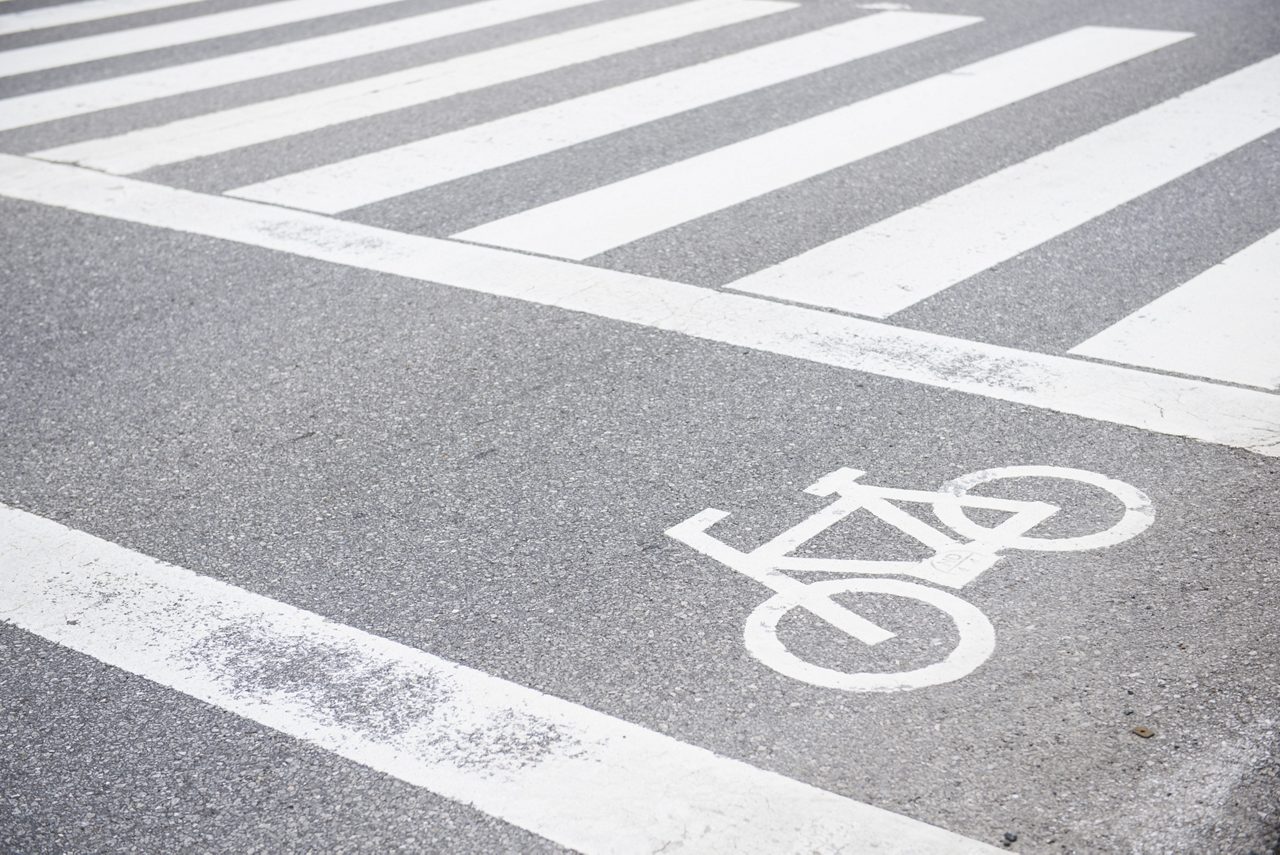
pixel 394 171
pixel 282 117
pixel 906 258
pixel 581 778
pixel 592 222
pixel 119 43
pixel 1210 412
pixel 1223 324
pixel 51 104
pixel 78 13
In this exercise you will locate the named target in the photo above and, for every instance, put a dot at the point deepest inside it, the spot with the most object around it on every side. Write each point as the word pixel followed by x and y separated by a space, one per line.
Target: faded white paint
pixel 583 779
pixel 953 564
pixel 1207 411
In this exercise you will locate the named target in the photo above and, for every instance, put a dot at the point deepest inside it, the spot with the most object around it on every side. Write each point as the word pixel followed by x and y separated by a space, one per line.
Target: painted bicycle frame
pixel 953 563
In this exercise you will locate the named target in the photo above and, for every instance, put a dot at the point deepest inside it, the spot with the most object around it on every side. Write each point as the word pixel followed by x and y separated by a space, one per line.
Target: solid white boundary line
pixel 402 169
pixel 51 104
pixel 78 13
pixel 1223 324
pixel 277 118
pixel 581 778
pixel 56 54
pixel 891 265
pixel 1210 412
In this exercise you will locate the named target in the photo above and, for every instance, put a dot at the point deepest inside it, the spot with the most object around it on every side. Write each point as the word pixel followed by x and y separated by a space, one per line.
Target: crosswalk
pixel 173 80
pixel 79 13
pixel 591 223
pixel 875 271
pixel 384 174
pixel 263 121
pixel 894 264
pixel 90 48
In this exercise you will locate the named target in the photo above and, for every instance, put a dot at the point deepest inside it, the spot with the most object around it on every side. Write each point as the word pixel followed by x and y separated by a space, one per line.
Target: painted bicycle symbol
pixel 954 563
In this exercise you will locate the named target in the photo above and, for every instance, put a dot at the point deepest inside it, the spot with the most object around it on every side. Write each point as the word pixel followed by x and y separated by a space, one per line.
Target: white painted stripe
pixel 394 171
pixel 589 223
pixel 78 13
pixel 1223 324
pixel 282 117
pixel 906 258
pixel 76 100
pixel 119 43
pixel 581 778
pixel 1219 414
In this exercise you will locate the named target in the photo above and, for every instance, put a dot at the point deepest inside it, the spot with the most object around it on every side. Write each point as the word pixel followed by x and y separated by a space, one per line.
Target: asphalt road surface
pixel 640 426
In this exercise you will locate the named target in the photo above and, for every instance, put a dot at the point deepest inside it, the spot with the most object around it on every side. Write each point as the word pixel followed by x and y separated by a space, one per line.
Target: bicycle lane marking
pixel 578 777
pixel 953 564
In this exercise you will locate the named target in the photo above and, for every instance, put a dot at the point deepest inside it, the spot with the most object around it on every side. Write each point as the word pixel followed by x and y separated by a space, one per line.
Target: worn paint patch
pixel 335 678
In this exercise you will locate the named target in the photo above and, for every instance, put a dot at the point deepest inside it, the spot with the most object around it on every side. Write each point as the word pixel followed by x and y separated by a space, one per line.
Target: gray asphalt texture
pixel 489 480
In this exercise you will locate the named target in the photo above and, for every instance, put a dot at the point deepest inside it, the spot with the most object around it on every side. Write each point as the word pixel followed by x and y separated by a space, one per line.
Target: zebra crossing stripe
pixel 598 220
pixel 78 99
pixel 264 121
pixel 1223 324
pixel 78 13
pixel 1225 415
pixel 581 778
pixel 392 172
pixel 122 42
pixel 906 258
